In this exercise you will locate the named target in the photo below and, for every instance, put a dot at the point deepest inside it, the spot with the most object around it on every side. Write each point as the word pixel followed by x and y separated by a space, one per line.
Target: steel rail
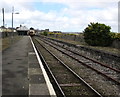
pixel 86 65
pixel 43 60
pixel 90 87
pixel 105 65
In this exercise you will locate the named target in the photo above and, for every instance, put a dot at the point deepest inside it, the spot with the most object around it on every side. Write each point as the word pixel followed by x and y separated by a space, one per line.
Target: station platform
pixel 23 74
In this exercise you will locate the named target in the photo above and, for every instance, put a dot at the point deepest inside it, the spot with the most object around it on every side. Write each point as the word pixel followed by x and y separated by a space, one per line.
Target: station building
pixel 22 30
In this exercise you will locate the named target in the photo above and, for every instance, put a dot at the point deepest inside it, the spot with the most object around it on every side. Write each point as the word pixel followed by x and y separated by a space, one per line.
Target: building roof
pixel 22 28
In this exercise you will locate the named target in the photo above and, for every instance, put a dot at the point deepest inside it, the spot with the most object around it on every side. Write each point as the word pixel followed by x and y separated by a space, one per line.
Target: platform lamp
pixel 12 18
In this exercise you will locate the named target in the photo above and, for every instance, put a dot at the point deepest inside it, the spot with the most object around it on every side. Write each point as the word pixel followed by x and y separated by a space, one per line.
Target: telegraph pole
pixel 3 17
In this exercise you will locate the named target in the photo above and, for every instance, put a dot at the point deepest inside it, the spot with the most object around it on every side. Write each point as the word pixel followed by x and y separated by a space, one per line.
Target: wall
pixel 116 44
pixel 80 38
pixel 8 34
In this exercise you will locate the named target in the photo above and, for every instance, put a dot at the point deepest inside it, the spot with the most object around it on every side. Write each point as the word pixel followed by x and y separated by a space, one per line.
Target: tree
pixel 97 34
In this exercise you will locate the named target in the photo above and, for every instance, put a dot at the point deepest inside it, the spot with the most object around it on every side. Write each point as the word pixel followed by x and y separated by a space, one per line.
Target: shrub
pixel 45 33
pixel 97 34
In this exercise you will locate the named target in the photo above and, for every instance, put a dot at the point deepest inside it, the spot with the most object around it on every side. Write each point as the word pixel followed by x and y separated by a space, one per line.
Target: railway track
pixel 110 73
pixel 68 82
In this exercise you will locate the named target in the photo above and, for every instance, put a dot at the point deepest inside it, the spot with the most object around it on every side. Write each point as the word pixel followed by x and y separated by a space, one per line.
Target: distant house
pixel 57 32
pixel 22 30
pixel 47 30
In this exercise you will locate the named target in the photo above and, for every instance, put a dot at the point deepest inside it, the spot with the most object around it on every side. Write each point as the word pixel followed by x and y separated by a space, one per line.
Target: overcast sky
pixel 61 15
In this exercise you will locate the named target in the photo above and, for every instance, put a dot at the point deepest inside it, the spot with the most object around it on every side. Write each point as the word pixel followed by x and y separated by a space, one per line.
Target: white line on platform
pixel 49 85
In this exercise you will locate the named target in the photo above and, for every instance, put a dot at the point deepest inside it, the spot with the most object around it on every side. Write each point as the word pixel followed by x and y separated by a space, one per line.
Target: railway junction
pixel 41 67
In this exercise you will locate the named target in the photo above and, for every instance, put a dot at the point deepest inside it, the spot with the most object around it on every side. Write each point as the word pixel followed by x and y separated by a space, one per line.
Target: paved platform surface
pixel 21 73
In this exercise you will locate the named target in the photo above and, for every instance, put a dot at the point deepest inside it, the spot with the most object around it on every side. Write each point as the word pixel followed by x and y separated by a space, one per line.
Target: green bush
pixel 45 33
pixel 97 34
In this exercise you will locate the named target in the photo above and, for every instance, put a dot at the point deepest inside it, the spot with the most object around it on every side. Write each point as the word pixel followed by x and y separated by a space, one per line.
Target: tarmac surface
pixel 15 69
pixel 21 73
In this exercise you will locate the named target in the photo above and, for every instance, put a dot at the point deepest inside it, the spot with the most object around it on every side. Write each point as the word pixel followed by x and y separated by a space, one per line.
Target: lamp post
pixel 12 22
pixel 12 15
